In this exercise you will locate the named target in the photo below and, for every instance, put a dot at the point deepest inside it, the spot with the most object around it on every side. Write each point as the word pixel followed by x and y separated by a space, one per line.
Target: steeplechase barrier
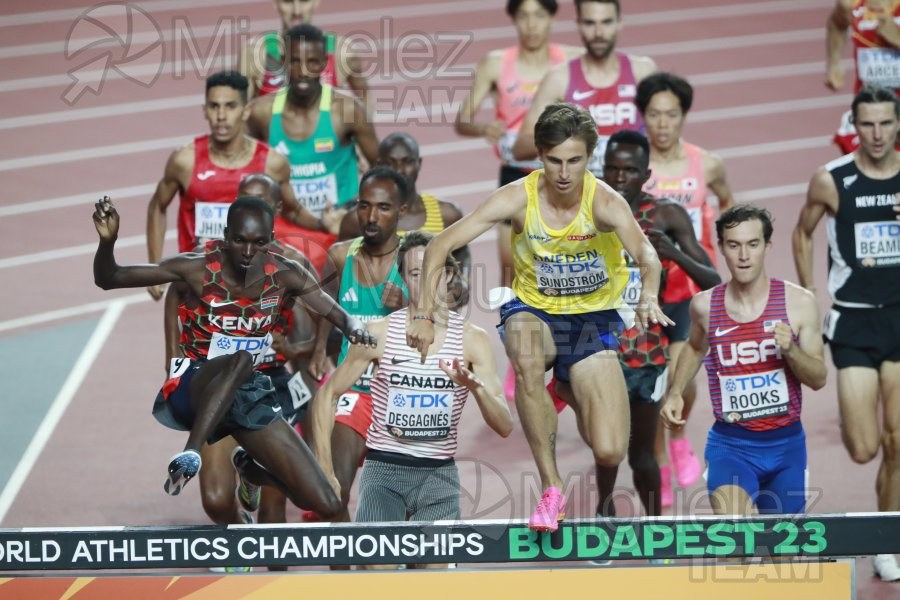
pixel 814 541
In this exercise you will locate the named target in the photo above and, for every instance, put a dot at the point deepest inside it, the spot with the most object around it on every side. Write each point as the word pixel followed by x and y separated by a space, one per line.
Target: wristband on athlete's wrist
pixel 423 318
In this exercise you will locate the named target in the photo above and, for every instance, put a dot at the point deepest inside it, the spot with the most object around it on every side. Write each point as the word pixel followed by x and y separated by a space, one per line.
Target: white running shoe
pixel 886 567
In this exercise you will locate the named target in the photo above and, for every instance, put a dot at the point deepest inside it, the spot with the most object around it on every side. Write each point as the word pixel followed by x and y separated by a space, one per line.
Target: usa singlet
pixel 203 207
pixel 750 383
pixel 612 107
pixel 576 269
pixel 415 407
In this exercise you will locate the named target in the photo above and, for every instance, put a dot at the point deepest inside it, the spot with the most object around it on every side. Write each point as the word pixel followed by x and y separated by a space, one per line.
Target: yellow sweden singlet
pixel 572 270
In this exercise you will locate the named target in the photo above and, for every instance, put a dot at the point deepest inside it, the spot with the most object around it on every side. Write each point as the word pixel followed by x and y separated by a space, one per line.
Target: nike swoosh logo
pixel 397 361
pixel 215 304
pixel 276 409
pixel 720 332
pixel 205 175
pixel 576 95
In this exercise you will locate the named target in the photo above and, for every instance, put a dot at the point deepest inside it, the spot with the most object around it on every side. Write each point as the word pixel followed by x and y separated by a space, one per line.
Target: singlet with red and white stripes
pixel 750 383
pixel 415 407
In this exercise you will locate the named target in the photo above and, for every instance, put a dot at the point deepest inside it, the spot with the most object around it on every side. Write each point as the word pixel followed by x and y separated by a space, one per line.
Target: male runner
pixel 409 472
pixel 858 194
pixel 237 290
pixel 510 76
pixel 873 26
pixel 684 173
pixel 362 275
pixel 569 230
pixel 206 172
pixel 644 354
pixel 400 152
pixel 262 59
pixel 602 80
pixel 760 339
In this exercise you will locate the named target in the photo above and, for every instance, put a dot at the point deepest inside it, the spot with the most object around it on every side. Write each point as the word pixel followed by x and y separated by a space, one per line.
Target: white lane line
pixel 449 110
pixel 87 199
pixel 201 32
pixel 450 192
pixel 60 404
pixel 493 33
pixel 145 107
pixel 780 193
pixel 59 253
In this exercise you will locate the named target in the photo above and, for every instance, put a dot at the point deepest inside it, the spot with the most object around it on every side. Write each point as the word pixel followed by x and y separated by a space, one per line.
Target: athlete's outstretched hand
pixel 420 334
pixel 358 334
pixel 106 219
pixel 459 374
pixel 649 313
pixel 671 412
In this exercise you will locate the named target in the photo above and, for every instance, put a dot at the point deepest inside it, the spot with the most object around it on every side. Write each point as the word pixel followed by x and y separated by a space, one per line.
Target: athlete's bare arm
pixel 325 401
pixel 506 203
pixel 688 362
pixel 717 179
pixel 352 122
pixel 350 68
pixel 174 297
pixel 484 83
pixel 806 358
pixel 278 167
pixel 612 213
pixel 460 286
pixel 642 67
pixel 110 275
pixel 552 88
pixel 821 199
pixel 251 58
pixel 331 283
pixel 478 372
pixel 260 117
pixel 673 238
pixel 176 178
pixel 835 35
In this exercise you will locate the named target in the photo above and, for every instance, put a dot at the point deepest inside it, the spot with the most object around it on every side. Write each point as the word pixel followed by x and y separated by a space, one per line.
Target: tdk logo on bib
pixel 748 383
pixel 421 400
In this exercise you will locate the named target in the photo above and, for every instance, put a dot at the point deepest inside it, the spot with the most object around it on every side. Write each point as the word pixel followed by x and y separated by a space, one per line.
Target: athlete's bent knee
pixel 608 455
pixel 219 505
pixel 643 462
pixel 890 444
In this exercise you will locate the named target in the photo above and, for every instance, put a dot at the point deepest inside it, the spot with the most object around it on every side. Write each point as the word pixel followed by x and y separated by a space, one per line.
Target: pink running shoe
pixel 509 385
pixel 558 403
pixel 549 512
pixel 687 467
pixel 666 497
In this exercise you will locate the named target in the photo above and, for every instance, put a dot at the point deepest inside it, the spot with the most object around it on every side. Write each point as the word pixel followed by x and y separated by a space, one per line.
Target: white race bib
pixel 696 215
pixel 223 345
pixel 419 415
pixel 315 193
pixel 504 149
pixel 595 164
pixel 755 396
pixel 299 391
pixel 178 367
pixel 346 403
pixel 879 66
pixel 210 219
pixel 877 243
pixel 571 275
pixel 632 293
